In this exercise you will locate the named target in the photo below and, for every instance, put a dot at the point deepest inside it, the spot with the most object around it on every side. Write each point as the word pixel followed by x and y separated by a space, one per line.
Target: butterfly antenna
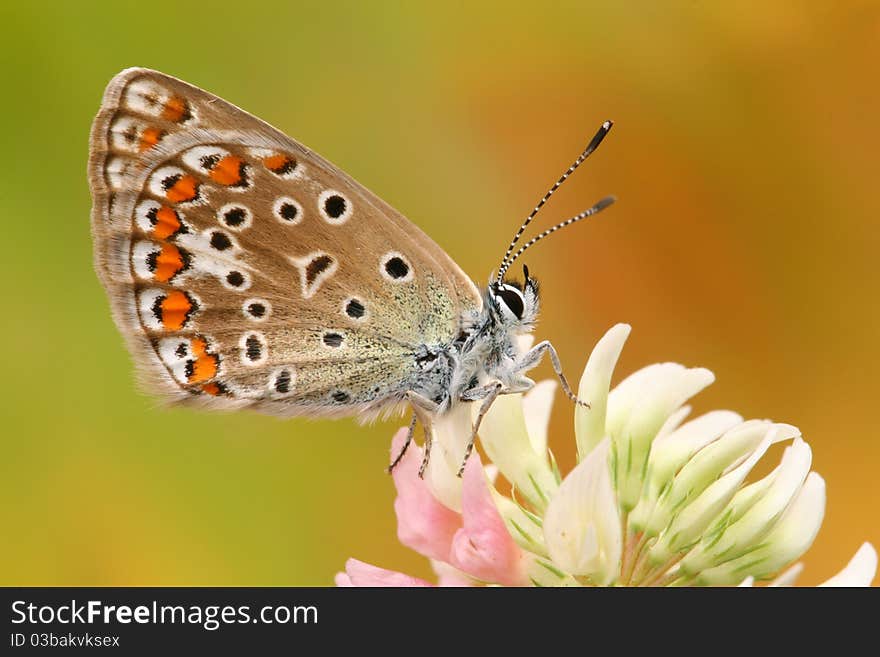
pixel 598 207
pixel 593 145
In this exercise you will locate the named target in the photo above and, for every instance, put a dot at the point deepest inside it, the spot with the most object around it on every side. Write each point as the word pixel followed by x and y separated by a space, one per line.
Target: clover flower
pixel 653 500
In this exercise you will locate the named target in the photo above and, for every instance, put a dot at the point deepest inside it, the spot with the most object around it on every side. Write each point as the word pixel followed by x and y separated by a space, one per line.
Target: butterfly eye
pixel 510 298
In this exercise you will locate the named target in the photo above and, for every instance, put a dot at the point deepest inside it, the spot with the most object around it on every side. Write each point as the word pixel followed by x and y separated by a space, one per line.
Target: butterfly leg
pixel 488 394
pixel 533 356
pixel 423 409
pixel 409 437
pixel 427 457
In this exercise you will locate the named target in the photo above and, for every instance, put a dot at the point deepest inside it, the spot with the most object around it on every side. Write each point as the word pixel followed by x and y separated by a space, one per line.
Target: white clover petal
pixel 523 525
pixel 628 392
pixel 589 423
pixel 860 570
pixel 661 391
pixel 796 530
pixel 786 542
pixel 504 437
pixel 788 577
pixel 673 422
pixel 582 523
pixel 450 434
pixel 704 468
pixel 758 520
pixel 731 539
pixel 743 501
pixel 537 405
pixel 782 432
pixel 541 571
pixel 450 575
pixel 671 451
pixel 688 525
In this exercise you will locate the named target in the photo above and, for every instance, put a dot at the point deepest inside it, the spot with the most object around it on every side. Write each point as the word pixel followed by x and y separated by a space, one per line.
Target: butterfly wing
pixel 245 270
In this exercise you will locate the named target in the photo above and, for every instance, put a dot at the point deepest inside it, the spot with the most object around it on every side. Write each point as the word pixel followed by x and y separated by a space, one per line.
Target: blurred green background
pixel 745 240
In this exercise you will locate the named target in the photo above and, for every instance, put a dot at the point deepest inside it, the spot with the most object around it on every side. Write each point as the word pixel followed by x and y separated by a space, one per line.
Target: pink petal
pixel 448 576
pixel 358 573
pixel 343 580
pixel 483 548
pixel 423 523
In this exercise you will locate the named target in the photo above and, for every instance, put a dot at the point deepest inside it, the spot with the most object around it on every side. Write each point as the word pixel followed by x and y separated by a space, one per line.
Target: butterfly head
pixel 514 304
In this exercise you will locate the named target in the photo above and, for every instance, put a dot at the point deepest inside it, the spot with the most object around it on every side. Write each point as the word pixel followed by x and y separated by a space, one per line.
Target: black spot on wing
pixel 318 265
pixel 396 267
pixel 235 216
pixel 355 309
pixel 332 339
pixel 220 241
pixel 334 206
pixel 283 381
pixel 253 348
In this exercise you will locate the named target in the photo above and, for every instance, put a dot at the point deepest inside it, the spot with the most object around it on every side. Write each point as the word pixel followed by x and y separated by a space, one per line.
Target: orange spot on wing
pixel 185 189
pixel 149 138
pixel 213 389
pixel 169 262
pixel 167 223
pixel 205 364
pixel 176 308
pixel 278 163
pixel 175 109
pixel 227 171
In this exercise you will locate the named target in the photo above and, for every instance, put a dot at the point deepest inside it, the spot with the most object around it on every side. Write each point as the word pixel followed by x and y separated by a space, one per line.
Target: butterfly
pixel 245 271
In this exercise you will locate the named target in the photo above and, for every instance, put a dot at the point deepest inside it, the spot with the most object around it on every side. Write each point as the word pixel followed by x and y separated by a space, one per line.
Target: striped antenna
pixel 601 205
pixel 593 145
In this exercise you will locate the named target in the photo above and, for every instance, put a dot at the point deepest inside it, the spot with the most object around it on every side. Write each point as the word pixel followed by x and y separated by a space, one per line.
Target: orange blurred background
pixel 745 240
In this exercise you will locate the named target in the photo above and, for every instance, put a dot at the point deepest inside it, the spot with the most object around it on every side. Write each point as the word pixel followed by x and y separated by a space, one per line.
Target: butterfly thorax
pixel 488 349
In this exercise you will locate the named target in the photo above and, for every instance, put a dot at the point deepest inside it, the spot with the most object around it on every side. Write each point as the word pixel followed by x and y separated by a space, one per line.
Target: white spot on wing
pixel 267 309
pixel 118 170
pixel 309 288
pixel 201 243
pixel 274 382
pixel 146 97
pixel 203 158
pixel 140 256
pixel 282 206
pixel 363 317
pixel 125 134
pixel 383 261
pixel 141 215
pixel 230 207
pixel 146 303
pixel 174 353
pixel 156 186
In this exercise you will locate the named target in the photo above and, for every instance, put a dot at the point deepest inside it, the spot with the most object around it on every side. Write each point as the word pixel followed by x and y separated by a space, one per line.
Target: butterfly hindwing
pixel 245 270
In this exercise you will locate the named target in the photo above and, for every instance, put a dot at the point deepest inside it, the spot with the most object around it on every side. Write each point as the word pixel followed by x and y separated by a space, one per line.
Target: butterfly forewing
pixel 245 270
